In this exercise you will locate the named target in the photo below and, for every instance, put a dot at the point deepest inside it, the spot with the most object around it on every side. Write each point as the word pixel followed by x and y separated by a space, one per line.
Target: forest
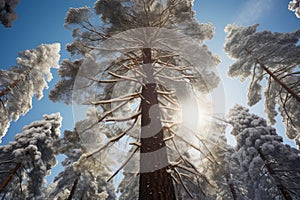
pixel 141 80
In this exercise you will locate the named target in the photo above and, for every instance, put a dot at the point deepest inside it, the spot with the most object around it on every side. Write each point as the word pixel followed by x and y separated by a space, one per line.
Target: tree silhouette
pixel 7 12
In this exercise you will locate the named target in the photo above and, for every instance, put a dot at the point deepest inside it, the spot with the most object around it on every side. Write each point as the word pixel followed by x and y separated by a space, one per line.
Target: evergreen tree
pixel 81 178
pixel 27 161
pixel 219 167
pixel 134 66
pixel 294 5
pixel 29 78
pixel 139 69
pixel 269 169
pixel 7 12
pixel 275 57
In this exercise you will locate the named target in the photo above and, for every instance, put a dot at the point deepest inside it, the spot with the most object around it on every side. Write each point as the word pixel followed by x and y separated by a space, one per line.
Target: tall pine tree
pixel 134 65
pixel 269 169
pixel 273 57
pixel 27 161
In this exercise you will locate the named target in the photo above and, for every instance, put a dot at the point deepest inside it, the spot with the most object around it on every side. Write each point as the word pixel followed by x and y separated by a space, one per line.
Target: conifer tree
pixel 7 12
pixel 294 6
pixel 138 73
pixel 81 178
pixel 22 82
pixel 27 161
pixel 273 57
pixel 218 165
pixel 269 169
pixel 134 64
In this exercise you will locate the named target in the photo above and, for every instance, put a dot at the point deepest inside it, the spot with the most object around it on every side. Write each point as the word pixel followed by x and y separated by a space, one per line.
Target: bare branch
pixel 182 183
pixel 175 179
pixel 136 143
pixel 124 118
pixel 165 56
pixel 190 144
pixel 162 68
pixel 178 78
pixel 124 77
pixel 170 100
pixel 100 118
pixel 169 138
pixel 170 108
pixel 124 164
pixel 118 99
pixel 174 67
pixel 166 92
pixel 114 139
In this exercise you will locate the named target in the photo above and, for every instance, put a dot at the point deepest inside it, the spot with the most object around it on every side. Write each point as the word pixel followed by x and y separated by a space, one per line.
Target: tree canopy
pixel 140 79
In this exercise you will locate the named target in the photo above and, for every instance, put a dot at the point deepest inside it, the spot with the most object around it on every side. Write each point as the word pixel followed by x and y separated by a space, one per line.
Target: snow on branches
pixel 142 61
pixel 294 6
pixel 29 159
pixel 19 84
pixel 123 15
pixel 264 161
pixel 275 57
pixel 81 177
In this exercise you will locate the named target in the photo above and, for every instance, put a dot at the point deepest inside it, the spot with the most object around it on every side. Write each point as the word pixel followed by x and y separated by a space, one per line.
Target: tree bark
pixel 155 182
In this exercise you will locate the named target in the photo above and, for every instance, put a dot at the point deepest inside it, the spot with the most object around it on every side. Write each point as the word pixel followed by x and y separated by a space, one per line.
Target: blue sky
pixel 271 15
pixel 41 21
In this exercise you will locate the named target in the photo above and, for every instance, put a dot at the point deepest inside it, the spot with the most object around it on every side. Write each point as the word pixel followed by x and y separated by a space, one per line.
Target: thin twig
pixel 124 164
pixel 114 139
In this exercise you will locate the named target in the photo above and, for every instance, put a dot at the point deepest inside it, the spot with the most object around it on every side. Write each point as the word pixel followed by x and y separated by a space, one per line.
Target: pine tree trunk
pixel 155 182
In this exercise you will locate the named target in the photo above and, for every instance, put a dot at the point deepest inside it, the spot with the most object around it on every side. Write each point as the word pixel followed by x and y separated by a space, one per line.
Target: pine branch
pixel 10 175
pixel 170 100
pixel 100 118
pixel 190 144
pixel 190 164
pixel 74 188
pixel 125 78
pixel 281 187
pixel 294 94
pixel 165 92
pixel 182 183
pixel 14 84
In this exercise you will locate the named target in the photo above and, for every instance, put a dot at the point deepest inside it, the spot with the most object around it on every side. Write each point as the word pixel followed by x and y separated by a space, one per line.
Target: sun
pixel 195 113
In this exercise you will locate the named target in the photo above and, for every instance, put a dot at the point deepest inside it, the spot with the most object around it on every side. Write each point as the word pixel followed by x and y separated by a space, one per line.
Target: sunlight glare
pixel 195 114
